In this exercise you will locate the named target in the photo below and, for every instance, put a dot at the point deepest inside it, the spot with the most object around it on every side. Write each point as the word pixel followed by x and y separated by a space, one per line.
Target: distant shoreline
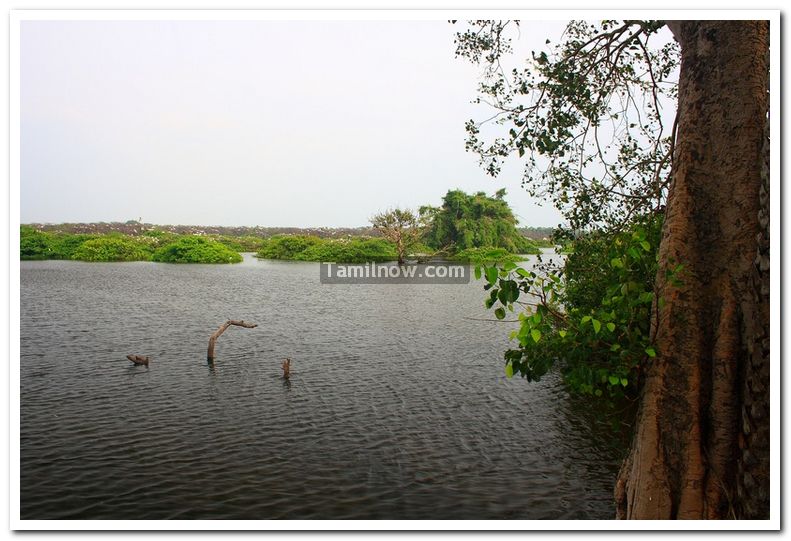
pixel 136 228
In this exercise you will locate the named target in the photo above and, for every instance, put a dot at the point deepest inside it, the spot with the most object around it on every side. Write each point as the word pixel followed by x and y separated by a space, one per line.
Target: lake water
pixel 397 406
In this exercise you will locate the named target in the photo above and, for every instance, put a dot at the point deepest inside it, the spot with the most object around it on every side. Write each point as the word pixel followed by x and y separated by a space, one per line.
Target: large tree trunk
pixel 701 446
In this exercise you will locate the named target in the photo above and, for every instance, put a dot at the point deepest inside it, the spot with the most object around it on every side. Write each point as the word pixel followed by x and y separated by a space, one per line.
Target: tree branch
pixel 213 338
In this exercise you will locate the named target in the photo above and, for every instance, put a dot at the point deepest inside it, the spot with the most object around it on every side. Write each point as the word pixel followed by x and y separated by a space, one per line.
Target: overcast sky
pixel 250 123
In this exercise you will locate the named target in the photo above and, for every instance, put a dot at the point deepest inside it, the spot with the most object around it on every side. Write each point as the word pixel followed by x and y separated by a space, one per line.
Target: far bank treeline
pixel 465 227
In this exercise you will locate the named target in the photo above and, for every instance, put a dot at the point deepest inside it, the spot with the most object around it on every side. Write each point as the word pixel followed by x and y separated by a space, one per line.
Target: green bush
pixel 286 246
pixel 246 243
pixel 593 320
pixel 486 254
pixel 164 245
pixel 307 248
pixel 158 238
pixel 65 245
pixel 354 250
pixel 422 249
pixel 34 244
pixel 112 248
pixel 192 249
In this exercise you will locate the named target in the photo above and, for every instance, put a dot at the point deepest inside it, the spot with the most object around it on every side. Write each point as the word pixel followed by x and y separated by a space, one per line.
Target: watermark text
pixel 392 273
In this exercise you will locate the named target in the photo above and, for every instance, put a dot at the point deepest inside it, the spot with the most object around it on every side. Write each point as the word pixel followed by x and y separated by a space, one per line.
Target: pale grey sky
pixel 251 122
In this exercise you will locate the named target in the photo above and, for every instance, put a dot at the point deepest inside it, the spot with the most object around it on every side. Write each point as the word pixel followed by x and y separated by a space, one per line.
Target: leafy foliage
pixel 34 244
pixel 354 250
pixel 488 254
pixel 347 250
pixel 585 115
pixel 158 237
pixel 474 221
pixel 65 246
pixel 594 321
pixel 112 248
pixel 194 249
pixel 286 246
pixel 247 243
pixel 402 227
pixel 151 245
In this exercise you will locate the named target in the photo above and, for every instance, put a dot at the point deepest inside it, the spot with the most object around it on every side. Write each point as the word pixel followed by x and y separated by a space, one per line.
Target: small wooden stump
pixel 138 359
pixel 286 368
pixel 213 338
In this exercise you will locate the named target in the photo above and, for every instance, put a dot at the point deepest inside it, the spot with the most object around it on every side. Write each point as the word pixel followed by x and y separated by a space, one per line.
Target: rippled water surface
pixel 397 407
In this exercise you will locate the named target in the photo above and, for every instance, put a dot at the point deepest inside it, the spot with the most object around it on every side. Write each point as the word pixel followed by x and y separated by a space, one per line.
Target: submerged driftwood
pixel 213 338
pixel 138 359
pixel 286 368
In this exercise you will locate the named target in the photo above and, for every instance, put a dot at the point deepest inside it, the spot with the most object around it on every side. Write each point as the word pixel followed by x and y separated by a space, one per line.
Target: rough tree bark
pixel 701 446
pixel 213 338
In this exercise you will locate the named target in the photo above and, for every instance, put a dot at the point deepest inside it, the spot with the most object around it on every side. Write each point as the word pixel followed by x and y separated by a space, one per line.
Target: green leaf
pixel 536 334
pixel 509 371
pixel 611 327
pixel 502 295
pixel 511 289
pixel 522 272
pixel 616 263
pixel 491 275
pixel 562 334
pixel 509 266
pixel 624 382
pixel 499 313
pixel 585 319
pixel 650 351
pixel 614 380
pixel 477 272
pixel 596 325
pixel 646 245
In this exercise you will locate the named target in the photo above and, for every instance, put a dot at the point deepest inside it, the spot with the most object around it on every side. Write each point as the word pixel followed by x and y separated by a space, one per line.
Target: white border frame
pixel 18 16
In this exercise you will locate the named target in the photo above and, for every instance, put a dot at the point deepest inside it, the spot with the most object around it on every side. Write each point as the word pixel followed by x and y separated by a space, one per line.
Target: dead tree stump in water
pixel 138 359
pixel 286 368
pixel 213 338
